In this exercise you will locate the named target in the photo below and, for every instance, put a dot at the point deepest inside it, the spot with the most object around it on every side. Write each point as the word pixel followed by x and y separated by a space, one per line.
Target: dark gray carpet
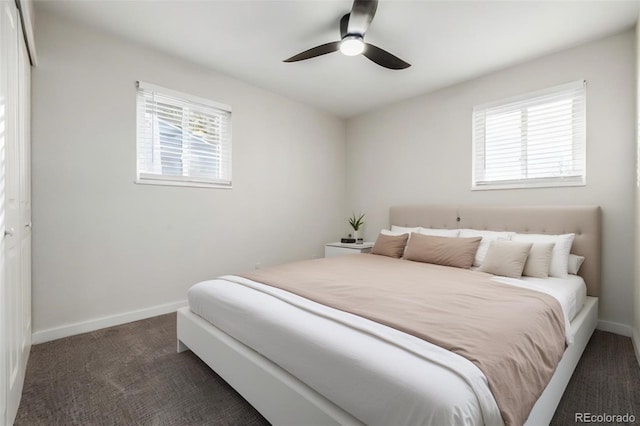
pixel 127 375
pixel 132 375
pixel 606 381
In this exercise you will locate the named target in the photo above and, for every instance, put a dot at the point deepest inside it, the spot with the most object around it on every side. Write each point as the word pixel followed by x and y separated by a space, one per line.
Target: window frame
pixel 529 100
pixel 189 181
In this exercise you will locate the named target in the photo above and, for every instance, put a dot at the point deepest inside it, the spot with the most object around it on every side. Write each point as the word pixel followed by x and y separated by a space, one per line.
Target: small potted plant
pixel 356 223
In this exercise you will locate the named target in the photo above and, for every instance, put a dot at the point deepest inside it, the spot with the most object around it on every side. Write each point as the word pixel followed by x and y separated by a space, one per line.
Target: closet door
pixel 15 206
pixel 4 328
pixel 13 300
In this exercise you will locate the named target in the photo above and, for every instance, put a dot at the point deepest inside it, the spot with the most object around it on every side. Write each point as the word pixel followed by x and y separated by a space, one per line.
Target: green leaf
pixel 356 222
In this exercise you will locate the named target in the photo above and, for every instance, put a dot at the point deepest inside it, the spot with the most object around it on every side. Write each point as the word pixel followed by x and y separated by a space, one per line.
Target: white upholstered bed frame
pixel 284 400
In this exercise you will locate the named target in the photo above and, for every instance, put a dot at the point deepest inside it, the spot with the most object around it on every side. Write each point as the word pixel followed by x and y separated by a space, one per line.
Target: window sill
pixel 179 183
pixel 490 187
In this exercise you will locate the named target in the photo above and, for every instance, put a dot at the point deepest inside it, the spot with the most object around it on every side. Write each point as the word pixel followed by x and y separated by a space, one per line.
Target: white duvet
pixel 379 375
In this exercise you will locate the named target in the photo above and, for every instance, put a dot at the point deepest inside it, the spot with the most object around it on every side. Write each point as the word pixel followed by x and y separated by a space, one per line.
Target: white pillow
pixel 560 254
pixel 575 262
pixel 487 237
pixel 404 230
pixel 393 233
pixel 436 232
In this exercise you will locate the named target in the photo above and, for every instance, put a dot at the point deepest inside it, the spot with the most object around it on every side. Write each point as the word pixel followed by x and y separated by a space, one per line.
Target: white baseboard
pixel 615 327
pixel 42 336
pixel 636 343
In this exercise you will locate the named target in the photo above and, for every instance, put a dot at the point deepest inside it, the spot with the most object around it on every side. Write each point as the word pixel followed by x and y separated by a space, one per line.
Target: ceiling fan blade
pixel 384 58
pixel 344 22
pixel 362 13
pixel 323 49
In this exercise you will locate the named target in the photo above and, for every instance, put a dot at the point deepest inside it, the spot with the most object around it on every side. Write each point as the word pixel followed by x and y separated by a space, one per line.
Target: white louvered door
pixel 15 211
pixel 12 298
pixel 12 277
pixel 4 329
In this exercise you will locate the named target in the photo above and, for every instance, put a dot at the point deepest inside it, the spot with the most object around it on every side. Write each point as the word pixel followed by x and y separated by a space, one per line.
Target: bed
pixel 263 374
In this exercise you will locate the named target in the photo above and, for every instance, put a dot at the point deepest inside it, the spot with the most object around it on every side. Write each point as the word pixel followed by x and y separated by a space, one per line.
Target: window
pixel 182 139
pixel 534 140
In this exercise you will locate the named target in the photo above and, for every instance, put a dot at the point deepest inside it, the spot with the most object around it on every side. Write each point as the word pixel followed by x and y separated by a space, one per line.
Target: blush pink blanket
pixel 515 336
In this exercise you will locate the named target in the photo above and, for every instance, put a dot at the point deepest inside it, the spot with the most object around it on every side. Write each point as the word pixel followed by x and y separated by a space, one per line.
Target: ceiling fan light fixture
pixel 352 45
pixel 353 27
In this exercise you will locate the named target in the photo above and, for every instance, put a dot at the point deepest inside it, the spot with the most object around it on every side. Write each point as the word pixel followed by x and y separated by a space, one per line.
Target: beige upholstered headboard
pixel 584 221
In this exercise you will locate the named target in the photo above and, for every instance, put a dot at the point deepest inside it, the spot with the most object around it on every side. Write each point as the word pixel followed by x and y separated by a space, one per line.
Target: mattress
pixel 377 374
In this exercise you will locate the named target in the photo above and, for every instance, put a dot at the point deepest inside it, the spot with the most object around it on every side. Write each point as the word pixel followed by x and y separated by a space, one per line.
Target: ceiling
pixel 446 41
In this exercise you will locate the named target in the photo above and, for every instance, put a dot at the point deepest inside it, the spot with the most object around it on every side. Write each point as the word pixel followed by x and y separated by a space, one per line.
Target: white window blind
pixel 182 139
pixel 534 140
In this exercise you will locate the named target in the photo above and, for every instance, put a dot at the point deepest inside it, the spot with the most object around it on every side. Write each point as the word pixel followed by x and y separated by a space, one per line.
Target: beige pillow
pixel 448 251
pixel 539 260
pixel 559 255
pixel 506 258
pixel 487 237
pixel 390 245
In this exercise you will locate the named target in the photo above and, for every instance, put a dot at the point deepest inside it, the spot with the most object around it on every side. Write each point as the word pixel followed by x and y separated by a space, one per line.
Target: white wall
pixel 103 245
pixel 419 151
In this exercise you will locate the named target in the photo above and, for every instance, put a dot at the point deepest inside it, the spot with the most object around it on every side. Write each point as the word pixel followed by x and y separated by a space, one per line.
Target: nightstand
pixel 339 249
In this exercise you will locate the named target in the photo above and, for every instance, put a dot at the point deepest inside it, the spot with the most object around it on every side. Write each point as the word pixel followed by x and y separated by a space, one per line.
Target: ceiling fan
pixel 353 26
